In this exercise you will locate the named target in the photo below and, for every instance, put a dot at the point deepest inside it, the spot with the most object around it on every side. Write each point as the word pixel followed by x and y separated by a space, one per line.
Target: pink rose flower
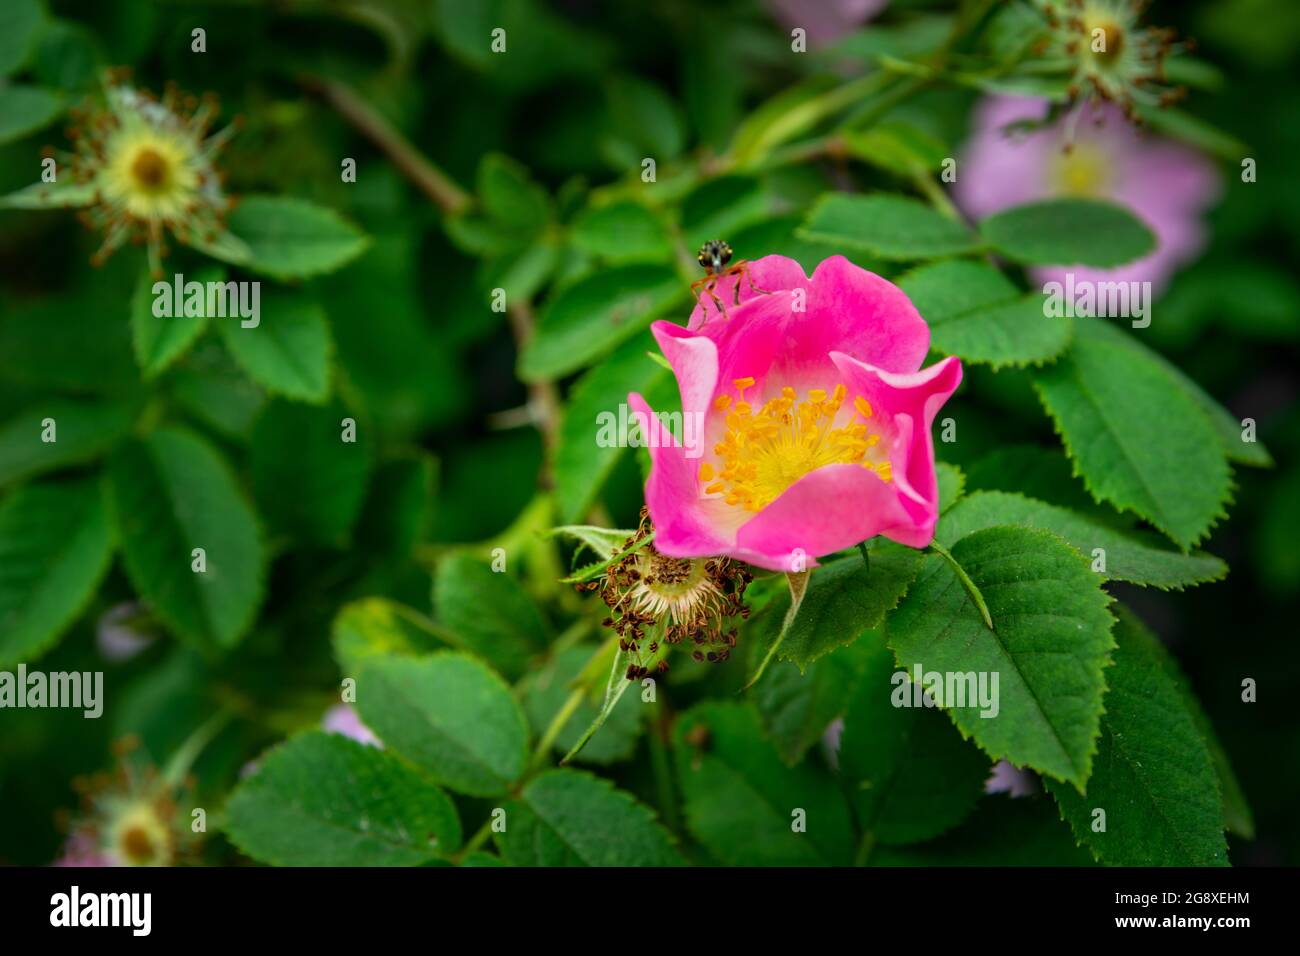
pixel 811 419
pixel 1166 183
pixel 81 849
pixel 343 719
pixel 825 20
pixel 1011 780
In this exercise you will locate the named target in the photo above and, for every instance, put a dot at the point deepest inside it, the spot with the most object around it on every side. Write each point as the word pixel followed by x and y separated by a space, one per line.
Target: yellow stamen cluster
pixel 152 165
pixel 129 815
pixel 768 448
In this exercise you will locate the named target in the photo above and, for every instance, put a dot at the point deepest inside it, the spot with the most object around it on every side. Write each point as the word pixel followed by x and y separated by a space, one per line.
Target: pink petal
pixel 826 510
pixel 911 403
pixel 686 525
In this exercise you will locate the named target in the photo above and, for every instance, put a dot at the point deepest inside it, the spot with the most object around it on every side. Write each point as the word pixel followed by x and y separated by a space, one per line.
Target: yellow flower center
pixel 141 838
pixel 1106 44
pixel 151 170
pixel 767 449
pixel 1083 171
pixel 150 174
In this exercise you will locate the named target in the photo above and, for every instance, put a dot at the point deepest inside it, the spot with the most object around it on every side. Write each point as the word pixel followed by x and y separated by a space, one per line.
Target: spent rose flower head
pixel 1167 184
pixel 815 414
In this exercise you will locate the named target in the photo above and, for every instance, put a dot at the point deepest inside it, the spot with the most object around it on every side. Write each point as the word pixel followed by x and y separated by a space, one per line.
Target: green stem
pixel 556 725
pixel 865 847
pixel 892 96
pixel 408 160
pixel 596 724
pixel 189 751
pixel 798 588
pixel 967 583
pixel 866 558
pixel 476 841
pixel 937 198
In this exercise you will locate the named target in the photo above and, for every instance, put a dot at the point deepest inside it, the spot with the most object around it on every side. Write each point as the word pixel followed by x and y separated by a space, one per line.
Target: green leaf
pixel 211 387
pixel 399 506
pixel 1003 831
pixel 797 706
pixel 1135 435
pixel 722 207
pixel 1179 124
pixel 1051 644
pixel 520 271
pixel 589 318
pixel 449 714
pixel 374 627
pixel 55 546
pixel 891 227
pixel 510 196
pixel 571 818
pixel 59 195
pixel 584 460
pixel 603 542
pixel 160 340
pixel 845 598
pixel 547 690
pixel 289 238
pixel 742 802
pixel 1236 810
pixel 1153 776
pixel 975 312
pixel 1225 423
pixel 83 431
pixel 490 612
pixel 952 484
pixel 898 148
pixel 789 113
pixel 1034 471
pixel 1089 232
pixel 25 109
pixel 289 351
pixel 172 493
pixel 68 57
pixel 307 480
pixel 645 121
pixel 324 800
pixel 1130 555
pixel 622 232
pixel 21 22
pixel 892 754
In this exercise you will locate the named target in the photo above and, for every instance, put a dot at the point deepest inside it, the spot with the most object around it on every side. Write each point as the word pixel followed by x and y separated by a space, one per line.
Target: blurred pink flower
pixel 825 20
pixel 1167 184
pixel 1011 780
pixel 82 849
pixel 116 637
pixel 807 417
pixel 343 719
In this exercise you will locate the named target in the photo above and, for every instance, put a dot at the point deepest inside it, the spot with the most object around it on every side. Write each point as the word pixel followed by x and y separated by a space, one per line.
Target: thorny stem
pixel 412 163
pixel 543 397
pixel 967 583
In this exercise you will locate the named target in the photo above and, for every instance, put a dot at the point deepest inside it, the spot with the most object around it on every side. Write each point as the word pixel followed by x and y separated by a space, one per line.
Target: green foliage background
pixel 372 563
